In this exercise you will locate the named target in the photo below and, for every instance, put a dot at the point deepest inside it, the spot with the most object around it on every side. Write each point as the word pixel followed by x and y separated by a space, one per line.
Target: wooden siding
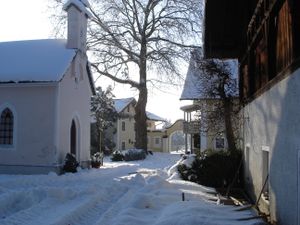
pixel 270 49
pixel 284 44
pixel 296 27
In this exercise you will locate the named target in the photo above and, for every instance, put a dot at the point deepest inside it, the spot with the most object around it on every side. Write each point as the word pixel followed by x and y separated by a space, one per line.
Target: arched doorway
pixel 73 138
pixel 177 141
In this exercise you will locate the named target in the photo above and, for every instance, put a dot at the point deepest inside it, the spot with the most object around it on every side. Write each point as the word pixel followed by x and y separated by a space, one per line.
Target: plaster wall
pixel 128 135
pixel 33 108
pixel 153 144
pixel 73 100
pixel 272 124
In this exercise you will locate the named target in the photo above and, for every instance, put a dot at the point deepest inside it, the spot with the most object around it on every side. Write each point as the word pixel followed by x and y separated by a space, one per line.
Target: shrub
pixel 97 160
pixel 212 168
pixel 129 155
pixel 71 163
pixel 134 154
pixel 117 156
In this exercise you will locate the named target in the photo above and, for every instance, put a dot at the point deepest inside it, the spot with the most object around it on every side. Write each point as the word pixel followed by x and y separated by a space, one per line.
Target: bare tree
pixel 129 38
pixel 217 84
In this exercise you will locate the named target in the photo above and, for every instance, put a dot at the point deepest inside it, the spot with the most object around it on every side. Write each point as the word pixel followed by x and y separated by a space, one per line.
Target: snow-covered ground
pixel 127 193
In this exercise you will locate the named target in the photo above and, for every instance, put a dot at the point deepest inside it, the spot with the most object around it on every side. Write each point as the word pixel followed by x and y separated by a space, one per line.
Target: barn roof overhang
pixel 224 28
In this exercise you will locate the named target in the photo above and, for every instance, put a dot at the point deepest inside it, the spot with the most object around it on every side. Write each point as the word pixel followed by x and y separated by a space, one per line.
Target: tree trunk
pixel 141 120
pixel 228 124
pixel 140 108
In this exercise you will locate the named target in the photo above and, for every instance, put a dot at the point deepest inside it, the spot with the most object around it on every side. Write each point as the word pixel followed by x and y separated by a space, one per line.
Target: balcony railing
pixel 259 18
pixel 192 127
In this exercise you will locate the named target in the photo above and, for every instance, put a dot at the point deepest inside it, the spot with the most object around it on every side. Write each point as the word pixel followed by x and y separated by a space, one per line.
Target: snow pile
pixel 127 193
pixel 186 160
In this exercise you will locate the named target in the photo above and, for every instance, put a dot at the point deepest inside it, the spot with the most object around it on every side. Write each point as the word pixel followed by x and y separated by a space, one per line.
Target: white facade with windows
pixel 45 91
pixel 201 132
pixel 124 135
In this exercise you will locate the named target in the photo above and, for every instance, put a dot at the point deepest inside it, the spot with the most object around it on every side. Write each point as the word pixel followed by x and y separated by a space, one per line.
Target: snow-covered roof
pixel 121 104
pixel 152 116
pixel 86 3
pixel 192 87
pixel 34 60
pixel 82 5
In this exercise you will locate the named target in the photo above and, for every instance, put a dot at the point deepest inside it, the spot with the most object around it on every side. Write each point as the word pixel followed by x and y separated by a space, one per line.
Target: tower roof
pixel 82 5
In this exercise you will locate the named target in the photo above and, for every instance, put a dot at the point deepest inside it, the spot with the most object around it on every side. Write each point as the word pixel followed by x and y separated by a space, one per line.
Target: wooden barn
pixel 265 37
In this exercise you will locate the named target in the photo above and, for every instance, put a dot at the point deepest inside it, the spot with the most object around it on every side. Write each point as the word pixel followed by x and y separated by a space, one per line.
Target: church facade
pixel 45 91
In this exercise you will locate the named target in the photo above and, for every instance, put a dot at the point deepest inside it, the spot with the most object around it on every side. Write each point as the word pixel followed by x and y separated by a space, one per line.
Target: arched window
pixel 6 127
pixel 73 138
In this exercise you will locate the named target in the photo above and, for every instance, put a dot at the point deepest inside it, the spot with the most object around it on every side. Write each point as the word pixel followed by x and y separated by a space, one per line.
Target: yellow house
pixel 166 139
pixel 123 133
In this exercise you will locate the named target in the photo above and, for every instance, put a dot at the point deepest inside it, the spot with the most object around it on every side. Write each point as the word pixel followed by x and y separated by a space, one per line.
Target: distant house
pixel 45 90
pixel 265 37
pixel 202 134
pixel 123 133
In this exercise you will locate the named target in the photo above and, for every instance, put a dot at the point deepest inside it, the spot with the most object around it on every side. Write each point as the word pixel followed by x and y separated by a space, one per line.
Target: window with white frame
pixel 123 145
pixel 157 141
pixel 265 171
pixel 6 127
pixel 123 126
pixel 247 161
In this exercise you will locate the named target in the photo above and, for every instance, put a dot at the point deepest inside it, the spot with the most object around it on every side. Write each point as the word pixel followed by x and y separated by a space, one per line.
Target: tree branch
pixel 116 79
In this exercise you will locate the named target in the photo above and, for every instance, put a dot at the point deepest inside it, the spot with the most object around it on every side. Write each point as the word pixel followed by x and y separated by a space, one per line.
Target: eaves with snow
pixel 153 117
pixel 121 104
pixel 34 60
pixel 193 86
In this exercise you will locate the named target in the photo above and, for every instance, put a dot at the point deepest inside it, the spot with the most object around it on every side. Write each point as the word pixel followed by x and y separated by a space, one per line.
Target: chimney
pixel 78 15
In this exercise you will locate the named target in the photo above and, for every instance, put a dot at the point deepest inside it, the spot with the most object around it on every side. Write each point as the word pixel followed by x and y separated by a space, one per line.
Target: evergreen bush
pixel 213 168
pixel 129 155
pixel 97 160
pixel 117 156
pixel 71 163
pixel 134 154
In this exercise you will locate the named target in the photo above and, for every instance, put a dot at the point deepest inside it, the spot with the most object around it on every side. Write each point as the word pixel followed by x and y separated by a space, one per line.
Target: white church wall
pixel 33 140
pixel 74 103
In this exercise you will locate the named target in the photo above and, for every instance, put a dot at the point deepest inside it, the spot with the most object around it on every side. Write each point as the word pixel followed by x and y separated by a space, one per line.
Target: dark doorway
pixel 197 140
pixel 73 138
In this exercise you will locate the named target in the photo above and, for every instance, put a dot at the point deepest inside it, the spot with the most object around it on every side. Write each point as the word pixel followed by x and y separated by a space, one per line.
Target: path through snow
pixel 120 193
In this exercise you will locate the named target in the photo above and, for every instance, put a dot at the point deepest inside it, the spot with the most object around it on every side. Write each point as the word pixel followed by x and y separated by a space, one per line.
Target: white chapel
pixel 45 91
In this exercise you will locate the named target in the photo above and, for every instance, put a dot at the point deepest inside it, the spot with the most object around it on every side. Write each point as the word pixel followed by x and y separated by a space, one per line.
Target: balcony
pixel 192 127
pixel 259 20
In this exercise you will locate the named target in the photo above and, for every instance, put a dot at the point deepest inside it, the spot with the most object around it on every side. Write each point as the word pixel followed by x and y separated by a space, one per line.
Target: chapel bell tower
pixel 78 15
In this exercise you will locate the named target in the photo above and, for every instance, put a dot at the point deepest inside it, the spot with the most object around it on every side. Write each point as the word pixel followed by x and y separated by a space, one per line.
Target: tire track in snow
pixel 89 213
pixel 64 206
pixel 109 215
pixel 57 199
